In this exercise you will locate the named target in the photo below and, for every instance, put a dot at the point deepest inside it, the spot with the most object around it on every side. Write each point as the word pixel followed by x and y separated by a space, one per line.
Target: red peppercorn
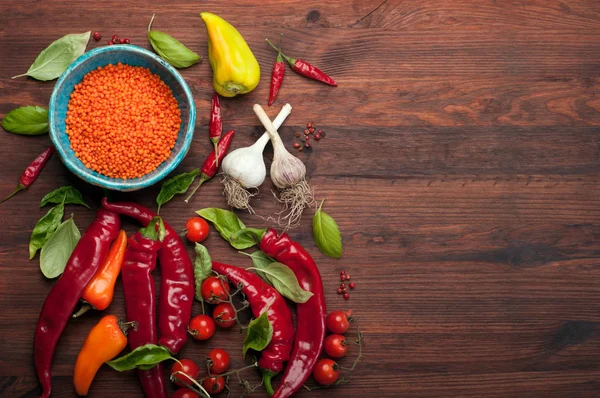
pixel 319 131
pixel 307 145
pixel 110 43
pixel 127 41
pixel 311 130
pixel 344 290
pixel 121 41
pixel 347 277
pixel 317 136
pixel 306 132
pixel 342 277
pixel 115 38
pixel 300 149
pixel 339 291
pixel 297 134
pixel 342 272
pixel 352 285
pixel 343 285
pixel 97 36
pixel 296 145
pixel 346 296
pixel 309 125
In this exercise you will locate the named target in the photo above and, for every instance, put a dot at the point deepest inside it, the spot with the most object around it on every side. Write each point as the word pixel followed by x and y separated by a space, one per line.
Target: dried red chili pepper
pixel 140 299
pixel 64 296
pixel 211 164
pixel 305 69
pixel 310 328
pixel 215 125
pixel 276 76
pixel 176 278
pixel 31 172
pixel 260 295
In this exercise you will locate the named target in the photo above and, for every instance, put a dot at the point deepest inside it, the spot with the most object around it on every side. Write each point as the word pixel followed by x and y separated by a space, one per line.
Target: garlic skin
pixel 286 169
pixel 246 165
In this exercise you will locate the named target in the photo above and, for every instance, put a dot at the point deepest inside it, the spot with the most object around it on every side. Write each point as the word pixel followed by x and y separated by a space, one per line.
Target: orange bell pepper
pixel 98 294
pixel 104 342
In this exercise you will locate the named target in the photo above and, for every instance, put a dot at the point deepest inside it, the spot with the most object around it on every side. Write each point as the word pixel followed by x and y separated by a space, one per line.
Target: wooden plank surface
pixel 461 162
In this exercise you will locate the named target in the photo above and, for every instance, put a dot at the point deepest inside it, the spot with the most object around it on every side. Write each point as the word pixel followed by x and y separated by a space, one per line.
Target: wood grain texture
pixel 462 163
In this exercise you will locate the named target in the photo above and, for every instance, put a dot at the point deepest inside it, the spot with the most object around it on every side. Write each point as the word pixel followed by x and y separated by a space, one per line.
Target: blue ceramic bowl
pixel 130 55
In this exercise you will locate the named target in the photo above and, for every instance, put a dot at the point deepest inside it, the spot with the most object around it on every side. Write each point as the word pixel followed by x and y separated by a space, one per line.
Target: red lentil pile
pixel 122 121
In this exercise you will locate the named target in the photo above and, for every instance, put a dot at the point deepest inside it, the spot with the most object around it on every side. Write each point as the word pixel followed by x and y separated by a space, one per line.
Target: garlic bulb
pixel 286 169
pixel 246 165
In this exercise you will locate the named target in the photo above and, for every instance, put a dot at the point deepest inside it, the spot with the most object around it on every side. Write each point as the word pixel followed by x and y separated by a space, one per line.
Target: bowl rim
pixel 108 182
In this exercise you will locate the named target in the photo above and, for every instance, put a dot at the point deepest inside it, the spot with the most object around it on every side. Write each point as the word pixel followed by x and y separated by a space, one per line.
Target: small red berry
pixel 339 291
pixel 311 130
pixel 347 277
pixel 343 285
pixel 344 290
pixel 309 125
pixel 115 38
pixel 319 131
pixel 306 132
pixel 127 41
pixel 121 41
pixel 342 272
pixel 297 134
pixel 346 296
pixel 352 285
pixel 97 36
pixel 296 145
pixel 317 136
pixel 342 277
pixel 307 145
pixel 110 43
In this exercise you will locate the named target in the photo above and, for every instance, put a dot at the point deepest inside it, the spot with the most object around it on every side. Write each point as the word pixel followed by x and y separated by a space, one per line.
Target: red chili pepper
pixel 260 295
pixel 276 77
pixel 64 296
pixel 140 300
pixel 310 328
pixel 176 278
pixel 32 172
pixel 211 164
pixel 215 126
pixel 305 69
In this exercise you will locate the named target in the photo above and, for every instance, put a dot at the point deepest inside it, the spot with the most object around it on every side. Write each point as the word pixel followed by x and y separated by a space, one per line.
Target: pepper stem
pixel 150 24
pixel 84 308
pixel 267 376
pixel 215 141
pixel 18 189
pixel 290 61
pixel 125 326
pixel 203 177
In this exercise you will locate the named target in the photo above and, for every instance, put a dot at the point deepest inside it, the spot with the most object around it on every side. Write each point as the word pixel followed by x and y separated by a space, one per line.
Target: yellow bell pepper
pixel 235 69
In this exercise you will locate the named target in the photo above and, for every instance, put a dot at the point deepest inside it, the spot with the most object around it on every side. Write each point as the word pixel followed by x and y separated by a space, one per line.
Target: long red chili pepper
pixel 260 296
pixel 140 301
pixel 215 126
pixel 64 296
pixel 176 278
pixel 31 172
pixel 211 164
pixel 305 69
pixel 310 316
pixel 276 77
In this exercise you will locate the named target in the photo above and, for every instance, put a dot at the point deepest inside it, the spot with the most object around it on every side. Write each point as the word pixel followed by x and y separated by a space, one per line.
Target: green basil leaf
pixel 26 120
pixel 178 184
pixel 55 58
pixel 170 49
pixel 44 228
pixel 202 268
pixel 259 334
pixel 66 194
pixel 57 250
pixel 231 228
pixel 327 234
pixel 282 278
pixel 143 357
pixel 260 261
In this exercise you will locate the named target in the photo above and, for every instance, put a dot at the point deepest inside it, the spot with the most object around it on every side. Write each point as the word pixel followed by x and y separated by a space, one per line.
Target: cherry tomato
pixel 224 315
pixel 184 393
pixel 220 361
pixel 338 321
pixel 197 229
pixel 214 289
pixel 336 346
pixel 214 385
pixel 326 372
pixel 186 366
pixel 202 327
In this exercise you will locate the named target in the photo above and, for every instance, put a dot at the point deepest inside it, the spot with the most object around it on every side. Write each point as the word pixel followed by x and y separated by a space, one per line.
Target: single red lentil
pixel 122 121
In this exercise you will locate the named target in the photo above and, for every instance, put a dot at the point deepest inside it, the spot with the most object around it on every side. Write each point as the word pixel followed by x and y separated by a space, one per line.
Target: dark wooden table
pixel 461 162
